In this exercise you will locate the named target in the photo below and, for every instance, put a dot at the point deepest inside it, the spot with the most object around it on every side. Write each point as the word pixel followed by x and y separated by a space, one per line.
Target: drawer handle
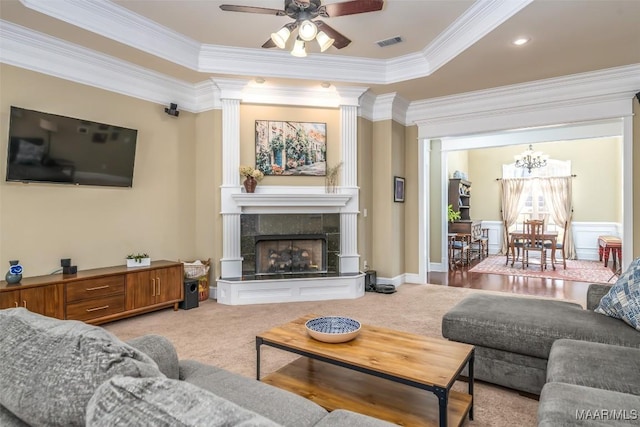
pixel 153 287
pixel 104 307
pixel 97 287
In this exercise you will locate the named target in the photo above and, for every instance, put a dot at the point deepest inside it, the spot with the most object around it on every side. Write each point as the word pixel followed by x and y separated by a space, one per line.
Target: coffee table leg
pixel 470 371
pixel 258 344
pixel 443 400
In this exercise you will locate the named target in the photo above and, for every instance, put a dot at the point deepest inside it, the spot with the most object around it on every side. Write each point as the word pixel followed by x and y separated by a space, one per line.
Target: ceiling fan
pixel 304 13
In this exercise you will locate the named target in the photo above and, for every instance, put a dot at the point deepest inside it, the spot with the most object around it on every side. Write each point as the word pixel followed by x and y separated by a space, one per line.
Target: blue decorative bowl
pixel 333 329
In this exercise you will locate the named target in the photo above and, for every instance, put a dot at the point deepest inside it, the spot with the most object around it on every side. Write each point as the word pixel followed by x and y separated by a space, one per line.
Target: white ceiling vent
pixel 389 42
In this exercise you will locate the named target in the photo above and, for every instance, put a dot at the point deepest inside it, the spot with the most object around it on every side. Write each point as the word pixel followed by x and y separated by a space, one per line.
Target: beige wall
pixel 636 178
pixel 411 221
pixel 208 167
pixel 388 247
pixel 98 226
pixel 365 182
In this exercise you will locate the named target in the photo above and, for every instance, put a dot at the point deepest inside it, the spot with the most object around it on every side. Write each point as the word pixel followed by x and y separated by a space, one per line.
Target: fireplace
pixel 291 254
pixel 287 245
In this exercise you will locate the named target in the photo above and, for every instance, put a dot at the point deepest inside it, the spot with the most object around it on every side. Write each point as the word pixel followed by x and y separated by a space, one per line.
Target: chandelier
pixel 306 33
pixel 531 159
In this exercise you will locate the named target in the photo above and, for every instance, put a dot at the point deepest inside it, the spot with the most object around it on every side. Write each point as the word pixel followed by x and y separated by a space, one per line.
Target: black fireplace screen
pixel 291 254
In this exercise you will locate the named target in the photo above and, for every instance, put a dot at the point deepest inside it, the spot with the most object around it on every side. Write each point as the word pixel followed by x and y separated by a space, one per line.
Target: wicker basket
pixel 199 270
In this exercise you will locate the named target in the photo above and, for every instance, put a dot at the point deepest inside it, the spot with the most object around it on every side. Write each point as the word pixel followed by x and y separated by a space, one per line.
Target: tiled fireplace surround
pixel 332 214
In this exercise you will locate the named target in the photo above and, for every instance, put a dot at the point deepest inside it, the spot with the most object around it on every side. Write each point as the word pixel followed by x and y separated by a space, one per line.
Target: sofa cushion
pixel 609 367
pixel 259 397
pixel 530 325
pixel 163 402
pixel 7 419
pixel 161 350
pixel 623 299
pixel 573 405
pixel 50 368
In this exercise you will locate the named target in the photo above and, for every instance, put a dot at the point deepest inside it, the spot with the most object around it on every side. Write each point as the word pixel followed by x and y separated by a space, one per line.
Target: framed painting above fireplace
pixel 291 148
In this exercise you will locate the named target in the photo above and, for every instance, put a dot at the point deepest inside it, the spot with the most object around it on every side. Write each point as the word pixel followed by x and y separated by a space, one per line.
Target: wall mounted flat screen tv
pixel 50 148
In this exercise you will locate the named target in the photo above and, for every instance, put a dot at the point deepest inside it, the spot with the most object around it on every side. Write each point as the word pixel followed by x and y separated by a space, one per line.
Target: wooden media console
pixel 99 295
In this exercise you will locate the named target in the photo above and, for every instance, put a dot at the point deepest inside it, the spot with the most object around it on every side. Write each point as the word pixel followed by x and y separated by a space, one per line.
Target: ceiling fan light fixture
pixel 307 30
pixel 298 48
pixel 280 37
pixel 324 41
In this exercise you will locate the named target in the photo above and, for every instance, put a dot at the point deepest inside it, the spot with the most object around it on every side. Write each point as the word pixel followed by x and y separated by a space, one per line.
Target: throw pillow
pixel 50 368
pixel 623 299
pixel 163 402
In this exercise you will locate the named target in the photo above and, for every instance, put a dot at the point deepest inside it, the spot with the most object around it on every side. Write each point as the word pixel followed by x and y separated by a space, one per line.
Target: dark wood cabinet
pixel 151 287
pixel 99 295
pixel 460 197
pixel 46 300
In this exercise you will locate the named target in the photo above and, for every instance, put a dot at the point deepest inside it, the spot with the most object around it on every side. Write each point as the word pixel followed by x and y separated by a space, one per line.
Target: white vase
pixel 143 262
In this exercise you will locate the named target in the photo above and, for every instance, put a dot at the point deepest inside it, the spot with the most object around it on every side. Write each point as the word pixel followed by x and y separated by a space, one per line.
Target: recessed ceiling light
pixel 521 40
pixel 325 84
pixel 259 80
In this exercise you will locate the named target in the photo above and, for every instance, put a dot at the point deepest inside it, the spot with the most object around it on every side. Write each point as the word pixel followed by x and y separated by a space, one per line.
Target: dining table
pixel 547 236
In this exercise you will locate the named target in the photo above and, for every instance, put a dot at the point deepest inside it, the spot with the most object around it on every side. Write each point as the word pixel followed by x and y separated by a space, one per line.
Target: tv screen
pixel 46 147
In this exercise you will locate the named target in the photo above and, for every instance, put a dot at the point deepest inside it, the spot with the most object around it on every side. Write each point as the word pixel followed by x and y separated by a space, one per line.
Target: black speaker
pixel 71 269
pixel 190 294
pixel 172 110
pixel 370 280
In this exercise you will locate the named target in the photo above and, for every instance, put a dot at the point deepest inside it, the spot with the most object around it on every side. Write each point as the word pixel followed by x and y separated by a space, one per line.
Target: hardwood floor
pixel 462 278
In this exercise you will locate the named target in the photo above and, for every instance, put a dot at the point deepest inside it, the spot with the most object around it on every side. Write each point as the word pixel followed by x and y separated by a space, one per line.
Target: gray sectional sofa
pixel 67 373
pixel 577 360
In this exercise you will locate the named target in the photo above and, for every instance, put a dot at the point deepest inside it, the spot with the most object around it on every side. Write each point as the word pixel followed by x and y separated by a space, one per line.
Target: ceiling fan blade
pixel 268 44
pixel 350 8
pixel 252 9
pixel 340 40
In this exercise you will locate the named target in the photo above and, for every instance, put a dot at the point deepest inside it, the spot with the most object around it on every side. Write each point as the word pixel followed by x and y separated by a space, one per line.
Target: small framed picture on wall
pixel 398 189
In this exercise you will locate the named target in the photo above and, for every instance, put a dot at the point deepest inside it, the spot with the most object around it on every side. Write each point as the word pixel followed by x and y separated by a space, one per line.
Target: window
pixel 533 204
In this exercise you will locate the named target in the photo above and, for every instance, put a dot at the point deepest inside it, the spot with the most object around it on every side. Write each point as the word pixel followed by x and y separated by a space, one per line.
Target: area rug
pixel 577 270
pixel 224 336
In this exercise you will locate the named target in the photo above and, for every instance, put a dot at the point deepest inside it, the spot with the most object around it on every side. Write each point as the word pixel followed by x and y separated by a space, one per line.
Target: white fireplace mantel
pixel 291 200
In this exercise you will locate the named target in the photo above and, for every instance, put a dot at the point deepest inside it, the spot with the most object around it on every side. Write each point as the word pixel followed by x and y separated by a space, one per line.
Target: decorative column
pixel 230 95
pixel 349 257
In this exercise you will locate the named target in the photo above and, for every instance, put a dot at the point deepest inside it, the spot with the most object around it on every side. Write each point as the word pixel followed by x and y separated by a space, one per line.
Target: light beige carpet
pixel 225 336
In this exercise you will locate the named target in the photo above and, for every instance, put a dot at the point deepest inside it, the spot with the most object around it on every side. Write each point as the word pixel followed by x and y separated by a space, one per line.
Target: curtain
pixel 557 193
pixel 510 198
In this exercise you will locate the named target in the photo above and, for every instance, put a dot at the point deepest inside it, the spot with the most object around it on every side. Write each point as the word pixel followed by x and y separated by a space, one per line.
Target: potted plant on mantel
pixel 138 260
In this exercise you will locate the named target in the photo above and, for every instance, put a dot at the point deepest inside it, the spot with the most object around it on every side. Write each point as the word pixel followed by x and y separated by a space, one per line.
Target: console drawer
pixel 97 307
pixel 94 288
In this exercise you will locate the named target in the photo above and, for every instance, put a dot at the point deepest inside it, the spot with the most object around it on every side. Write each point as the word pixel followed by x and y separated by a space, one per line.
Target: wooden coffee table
pixel 382 373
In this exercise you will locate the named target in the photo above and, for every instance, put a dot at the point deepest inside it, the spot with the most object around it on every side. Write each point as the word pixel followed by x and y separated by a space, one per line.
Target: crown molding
pixel 476 22
pixel 38 52
pixel 118 23
pixel 390 106
pixel 499 108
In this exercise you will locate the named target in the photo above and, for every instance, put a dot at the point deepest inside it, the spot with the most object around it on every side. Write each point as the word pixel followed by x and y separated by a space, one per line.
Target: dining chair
pixel 480 244
pixel 561 246
pixel 512 241
pixel 459 249
pixel 534 241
